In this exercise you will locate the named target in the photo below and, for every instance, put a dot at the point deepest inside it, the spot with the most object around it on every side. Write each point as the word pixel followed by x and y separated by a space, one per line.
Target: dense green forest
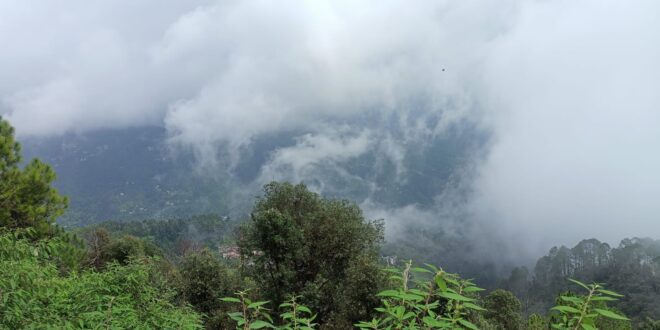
pixel 302 261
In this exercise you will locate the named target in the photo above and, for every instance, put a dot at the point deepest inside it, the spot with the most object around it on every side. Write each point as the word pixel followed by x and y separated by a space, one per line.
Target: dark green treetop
pixel 303 244
pixel 27 198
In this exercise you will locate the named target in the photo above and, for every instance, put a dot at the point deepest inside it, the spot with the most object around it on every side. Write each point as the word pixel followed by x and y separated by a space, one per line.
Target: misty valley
pixel 158 241
pixel 330 164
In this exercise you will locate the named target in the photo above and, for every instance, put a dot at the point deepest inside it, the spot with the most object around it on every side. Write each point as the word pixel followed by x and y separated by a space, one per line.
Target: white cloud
pixel 568 90
pixel 573 95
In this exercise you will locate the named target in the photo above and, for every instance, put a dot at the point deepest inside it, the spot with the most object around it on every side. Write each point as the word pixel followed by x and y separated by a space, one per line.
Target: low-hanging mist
pixel 552 106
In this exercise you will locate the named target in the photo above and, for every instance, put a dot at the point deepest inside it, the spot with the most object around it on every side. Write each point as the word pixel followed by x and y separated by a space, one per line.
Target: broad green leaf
pixel 389 293
pixel 610 314
pixel 603 298
pixel 412 297
pixel 454 296
pixel 431 322
pixel 417 292
pixel 468 324
pixel 587 326
pixel 579 283
pixel 473 289
pixel 257 304
pixel 473 306
pixel 610 293
pixel 566 309
pixel 442 284
pixel 261 324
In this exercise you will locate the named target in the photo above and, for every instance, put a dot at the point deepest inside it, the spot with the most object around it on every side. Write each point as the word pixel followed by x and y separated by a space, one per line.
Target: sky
pixel 568 92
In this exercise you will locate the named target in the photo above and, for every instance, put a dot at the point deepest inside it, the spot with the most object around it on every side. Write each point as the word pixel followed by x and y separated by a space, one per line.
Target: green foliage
pixel 174 236
pixel 255 315
pixel 503 310
pixel 434 300
pixel 104 249
pixel 204 281
pixel 33 294
pixel 632 269
pixel 27 198
pixel 649 324
pixel 608 323
pixel 537 322
pixel 582 312
pixel 125 248
pixel 299 243
pixel 296 316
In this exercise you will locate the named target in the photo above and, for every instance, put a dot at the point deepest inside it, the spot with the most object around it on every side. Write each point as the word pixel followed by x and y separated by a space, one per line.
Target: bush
pixel 582 312
pixel 503 310
pixel 204 281
pixel 320 249
pixel 434 300
pixel 33 294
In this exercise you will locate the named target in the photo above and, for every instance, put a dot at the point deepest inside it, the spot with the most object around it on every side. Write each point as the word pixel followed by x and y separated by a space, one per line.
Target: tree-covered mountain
pixel 127 174
pixel 136 173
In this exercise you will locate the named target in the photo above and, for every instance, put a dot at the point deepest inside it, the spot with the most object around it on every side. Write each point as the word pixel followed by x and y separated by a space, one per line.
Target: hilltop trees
pixel 27 198
pixel 632 268
pixel 321 249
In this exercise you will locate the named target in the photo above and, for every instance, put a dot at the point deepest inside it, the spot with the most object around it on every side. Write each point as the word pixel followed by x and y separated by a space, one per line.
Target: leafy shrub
pixel 204 279
pixel 300 243
pixel 255 315
pixel 582 312
pixel 503 309
pixel 33 293
pixel 536 322
pixel 439 300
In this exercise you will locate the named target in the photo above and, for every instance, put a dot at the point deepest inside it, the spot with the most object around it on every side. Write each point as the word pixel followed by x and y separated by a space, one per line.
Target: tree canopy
pixel 300 243
pixel 27 198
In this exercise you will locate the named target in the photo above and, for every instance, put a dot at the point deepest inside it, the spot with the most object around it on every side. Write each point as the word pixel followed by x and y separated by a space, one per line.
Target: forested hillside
pixel 134 176
pixel 632 268
pixel 301 261
pixel 138 174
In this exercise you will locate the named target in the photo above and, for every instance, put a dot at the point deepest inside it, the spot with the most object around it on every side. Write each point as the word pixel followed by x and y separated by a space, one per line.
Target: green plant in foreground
pixel 581 312
pixel 254 315
pixel 35 294
pixel 437 300
pixel 297 316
